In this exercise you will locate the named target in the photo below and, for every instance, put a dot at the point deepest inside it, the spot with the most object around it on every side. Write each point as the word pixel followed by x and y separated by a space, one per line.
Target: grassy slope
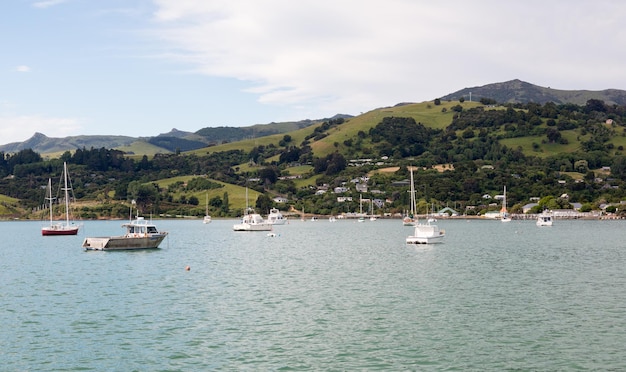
pixel 236 194
pixel 8 205
pixel 426 113
pixel 143 148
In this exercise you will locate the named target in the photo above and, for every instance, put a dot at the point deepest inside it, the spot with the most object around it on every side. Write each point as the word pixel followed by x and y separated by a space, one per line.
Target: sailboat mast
pixel 413 206
pixel 67 202
pixel 360 203
pixel 49 197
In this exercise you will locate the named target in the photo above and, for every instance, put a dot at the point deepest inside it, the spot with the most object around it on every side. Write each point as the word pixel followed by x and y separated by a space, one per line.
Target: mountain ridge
pixel 518 91
pixel 508 92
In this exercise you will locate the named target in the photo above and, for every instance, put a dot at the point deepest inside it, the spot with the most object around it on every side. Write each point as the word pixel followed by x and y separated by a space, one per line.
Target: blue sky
pixel 143 67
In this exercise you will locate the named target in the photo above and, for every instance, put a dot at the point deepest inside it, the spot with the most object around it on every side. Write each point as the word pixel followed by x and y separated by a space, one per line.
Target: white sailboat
pixel 372 216
pixel 361 218
pixel 409 220
pixel 60 228
pixel 504 213
pixel 425 233
pixel 207 218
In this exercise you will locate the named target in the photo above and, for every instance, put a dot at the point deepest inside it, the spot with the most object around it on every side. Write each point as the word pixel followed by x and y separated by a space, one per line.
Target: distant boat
pixel 140 234
pixel 60 228
pixel 504 213
pixel 426 233
pixel 372 216
pixel 544 219
pixel 207 218
pixel 332 219
pixel 275 217
pixel 409 219
pixel 361 215
pixel 252 221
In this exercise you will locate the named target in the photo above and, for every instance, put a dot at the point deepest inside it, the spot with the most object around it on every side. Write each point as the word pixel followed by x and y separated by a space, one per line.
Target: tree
pixel 215 202
pixel 225 207
pixel 581 166
pixel 553 135
pixel 193 200
pixel 263 203
pixel 145 195
pixel 269 175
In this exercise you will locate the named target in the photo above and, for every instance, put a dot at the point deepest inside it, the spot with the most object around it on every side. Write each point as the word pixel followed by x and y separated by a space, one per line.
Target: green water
pixel 318 296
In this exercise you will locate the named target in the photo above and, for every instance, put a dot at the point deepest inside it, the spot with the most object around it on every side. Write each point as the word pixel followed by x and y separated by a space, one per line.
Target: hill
pixel 517 91
pixel 173 141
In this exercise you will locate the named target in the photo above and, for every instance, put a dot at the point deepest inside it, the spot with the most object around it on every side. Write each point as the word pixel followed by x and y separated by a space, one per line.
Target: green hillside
pixel 563 155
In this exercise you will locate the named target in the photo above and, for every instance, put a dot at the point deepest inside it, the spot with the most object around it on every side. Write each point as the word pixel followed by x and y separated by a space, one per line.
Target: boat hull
pixel 544 223
pixel 424 239
pixel 426 234
pixel 276 221
pixel 252 227
pixel 59 230
pixel 123 243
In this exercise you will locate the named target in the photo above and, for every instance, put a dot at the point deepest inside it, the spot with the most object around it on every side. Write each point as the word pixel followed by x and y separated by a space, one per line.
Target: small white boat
pixel 275 217
pixel 140 234
pixel 252 222
pixel 408 221
pixel 372 216
pixel 332 219
pixel 544 219
pixel 426 234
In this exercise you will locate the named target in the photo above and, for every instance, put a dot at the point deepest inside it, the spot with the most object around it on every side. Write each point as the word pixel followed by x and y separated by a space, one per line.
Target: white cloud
pixel 47 3
pixel 355 55
pixel 21 128
pixel 22 68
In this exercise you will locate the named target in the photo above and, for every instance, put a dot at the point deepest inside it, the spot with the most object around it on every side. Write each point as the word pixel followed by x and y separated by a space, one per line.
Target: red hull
pixel 49 232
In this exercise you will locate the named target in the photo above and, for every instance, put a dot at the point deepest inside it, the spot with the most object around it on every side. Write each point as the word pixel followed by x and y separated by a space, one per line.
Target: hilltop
pixel 517 91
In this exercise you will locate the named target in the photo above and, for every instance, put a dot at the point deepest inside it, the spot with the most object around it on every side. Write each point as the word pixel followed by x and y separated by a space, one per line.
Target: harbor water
pixel 317 296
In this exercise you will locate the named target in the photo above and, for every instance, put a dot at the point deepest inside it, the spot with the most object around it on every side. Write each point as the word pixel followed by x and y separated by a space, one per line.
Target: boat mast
pixel 67 202
pixel 361 204
pixel 49 197
pixel 413 206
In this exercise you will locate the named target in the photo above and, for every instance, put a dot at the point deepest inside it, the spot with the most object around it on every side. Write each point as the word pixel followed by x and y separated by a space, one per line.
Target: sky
pixel 143 67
